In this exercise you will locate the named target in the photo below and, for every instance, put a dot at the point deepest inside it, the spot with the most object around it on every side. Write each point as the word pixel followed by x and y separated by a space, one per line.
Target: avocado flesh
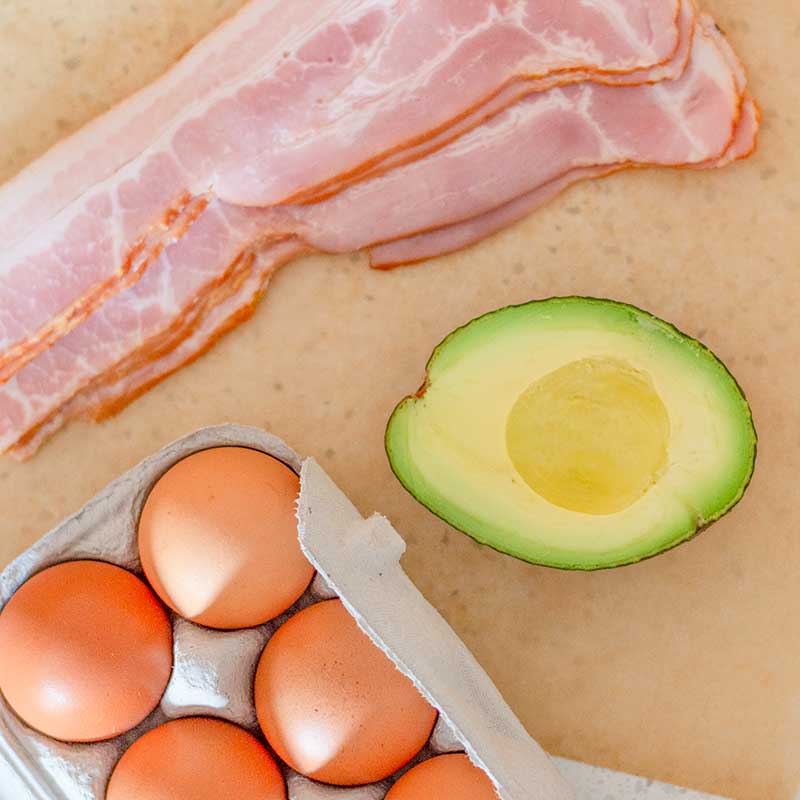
pixel 575 433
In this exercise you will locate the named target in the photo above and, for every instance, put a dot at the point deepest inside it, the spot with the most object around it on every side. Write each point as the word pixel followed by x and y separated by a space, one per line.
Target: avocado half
pixel 575 433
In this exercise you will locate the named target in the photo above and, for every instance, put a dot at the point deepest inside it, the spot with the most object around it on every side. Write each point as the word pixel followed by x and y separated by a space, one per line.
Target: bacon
pixel 534 142
pixel 452 238
pixel 110 393
pixel 181 284
pixel 459 236
pixel 137 338
pixel 516 90
pixel 290 101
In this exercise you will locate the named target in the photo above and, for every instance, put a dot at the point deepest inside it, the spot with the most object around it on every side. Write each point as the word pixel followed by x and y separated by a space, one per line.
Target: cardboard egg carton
pixel 357 560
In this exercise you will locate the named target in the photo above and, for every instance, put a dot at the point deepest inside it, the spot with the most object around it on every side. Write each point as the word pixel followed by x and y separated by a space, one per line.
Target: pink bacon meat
pixel 370 78
pixel 452 238
pixel 689 121
pixel 461 235
pixel 111 392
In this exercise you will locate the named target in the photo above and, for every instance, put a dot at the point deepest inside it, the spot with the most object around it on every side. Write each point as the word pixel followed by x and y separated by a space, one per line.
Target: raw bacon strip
pixel 183 283
pixel 688 121
pixel 430 63
pixel 86 352
pixel 404 252
pixel 376 78
pixel 459 236
pixel 110 395
pixel 516 90
pixel 683 135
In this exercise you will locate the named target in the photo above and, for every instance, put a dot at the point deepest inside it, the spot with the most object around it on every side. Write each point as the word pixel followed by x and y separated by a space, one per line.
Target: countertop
pixel 683 668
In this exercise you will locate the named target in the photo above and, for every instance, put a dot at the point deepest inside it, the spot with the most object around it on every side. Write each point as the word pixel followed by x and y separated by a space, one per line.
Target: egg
pixel 332 705
pixel 218 538
pixel 85 651
pixel 444 778
pixel 198 758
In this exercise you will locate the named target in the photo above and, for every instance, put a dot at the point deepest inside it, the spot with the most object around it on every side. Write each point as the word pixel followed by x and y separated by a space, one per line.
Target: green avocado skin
pixel 457 344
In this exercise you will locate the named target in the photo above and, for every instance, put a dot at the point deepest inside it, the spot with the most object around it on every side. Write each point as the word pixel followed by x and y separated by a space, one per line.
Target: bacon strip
pixel 179 286
pixel 110 393
pixel 452 238
pixel 516 90
pixel 539 139
pixel 370 78
pixel 105 360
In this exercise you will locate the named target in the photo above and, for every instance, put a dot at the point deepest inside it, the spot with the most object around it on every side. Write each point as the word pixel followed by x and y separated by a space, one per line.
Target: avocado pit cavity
pixel 591 436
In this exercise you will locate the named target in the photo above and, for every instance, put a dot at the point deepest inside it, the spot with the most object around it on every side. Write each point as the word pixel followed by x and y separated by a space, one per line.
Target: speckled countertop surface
pixel 684 668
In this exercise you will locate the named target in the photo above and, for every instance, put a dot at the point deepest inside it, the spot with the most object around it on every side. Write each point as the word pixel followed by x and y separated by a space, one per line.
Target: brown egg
pixel 218 538
pixel 85 651
pixel 332 705
pixel 444 778
pixel 196 758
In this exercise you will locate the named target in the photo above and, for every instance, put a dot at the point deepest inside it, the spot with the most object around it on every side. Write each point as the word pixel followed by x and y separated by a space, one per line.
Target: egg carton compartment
pixel 357 560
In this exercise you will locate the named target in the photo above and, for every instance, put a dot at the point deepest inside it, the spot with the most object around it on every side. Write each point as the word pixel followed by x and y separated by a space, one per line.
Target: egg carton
pixel 357 560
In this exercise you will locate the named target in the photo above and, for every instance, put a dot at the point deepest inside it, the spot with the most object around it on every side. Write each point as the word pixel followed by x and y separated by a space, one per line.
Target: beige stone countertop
pixel 685 668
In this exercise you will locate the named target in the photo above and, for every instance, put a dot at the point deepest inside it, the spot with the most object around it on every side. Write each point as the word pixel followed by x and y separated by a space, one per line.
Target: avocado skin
pixel 536 560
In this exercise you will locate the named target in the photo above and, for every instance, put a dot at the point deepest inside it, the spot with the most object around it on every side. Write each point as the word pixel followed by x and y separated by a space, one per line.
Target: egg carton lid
pixel 360 560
